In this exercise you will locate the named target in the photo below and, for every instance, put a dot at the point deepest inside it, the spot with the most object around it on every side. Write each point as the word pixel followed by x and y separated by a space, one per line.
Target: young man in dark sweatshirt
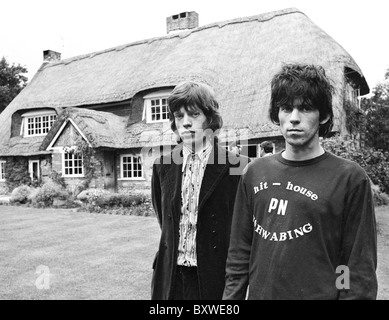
pixel 304 222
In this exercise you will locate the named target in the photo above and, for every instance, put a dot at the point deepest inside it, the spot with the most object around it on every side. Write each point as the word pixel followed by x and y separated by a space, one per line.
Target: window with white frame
pixel 131 166
pixel 156 108
pixel 2 170
pixel 72 164
pixel 37 123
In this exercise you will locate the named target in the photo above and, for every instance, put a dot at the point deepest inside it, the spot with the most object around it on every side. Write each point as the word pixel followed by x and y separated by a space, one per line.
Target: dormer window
pixel 37 123
pixel 155 107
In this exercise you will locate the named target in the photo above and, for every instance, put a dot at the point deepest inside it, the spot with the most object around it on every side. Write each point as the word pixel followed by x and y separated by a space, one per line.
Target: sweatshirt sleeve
pixel 237 267
pixel 359 245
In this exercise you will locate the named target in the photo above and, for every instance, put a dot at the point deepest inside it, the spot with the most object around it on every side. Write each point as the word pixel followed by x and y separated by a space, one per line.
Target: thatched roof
pixel 19 146
pixel 106 130
pixel 236 57
pixel 101 129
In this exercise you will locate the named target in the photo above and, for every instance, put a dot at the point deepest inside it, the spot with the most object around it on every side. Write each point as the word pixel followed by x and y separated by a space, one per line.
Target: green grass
pixel 88 256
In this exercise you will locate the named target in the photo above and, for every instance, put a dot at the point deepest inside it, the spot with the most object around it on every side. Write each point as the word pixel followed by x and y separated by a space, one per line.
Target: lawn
pixel 58 254
pixel 62 254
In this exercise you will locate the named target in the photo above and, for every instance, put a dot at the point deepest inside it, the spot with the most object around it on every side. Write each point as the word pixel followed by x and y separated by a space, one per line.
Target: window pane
pixel 73 164
pixel 40 124
pixel 133 167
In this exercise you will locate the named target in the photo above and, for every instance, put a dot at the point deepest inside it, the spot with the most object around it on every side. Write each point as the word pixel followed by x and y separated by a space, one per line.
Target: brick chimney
pixel 51 56
pixel 182 21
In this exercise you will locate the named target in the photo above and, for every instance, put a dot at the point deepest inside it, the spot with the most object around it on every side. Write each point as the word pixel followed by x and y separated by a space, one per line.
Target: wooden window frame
pixel 125 174
pixel 68 163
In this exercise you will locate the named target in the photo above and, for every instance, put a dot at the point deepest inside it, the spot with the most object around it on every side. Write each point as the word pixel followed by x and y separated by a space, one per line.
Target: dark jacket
pixel 216 204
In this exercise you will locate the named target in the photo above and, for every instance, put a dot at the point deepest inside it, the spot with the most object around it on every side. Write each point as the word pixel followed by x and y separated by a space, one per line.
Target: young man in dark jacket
pixel 304 224
pixel 193 194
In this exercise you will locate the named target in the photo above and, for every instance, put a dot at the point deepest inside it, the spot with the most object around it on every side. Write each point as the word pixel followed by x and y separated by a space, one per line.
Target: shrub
pixel 50 190
pixel 118 199
pixel 375 162
pixel 127 200
pixel 21 194
pixel 32 197
pixel 102 201
pixel 92 195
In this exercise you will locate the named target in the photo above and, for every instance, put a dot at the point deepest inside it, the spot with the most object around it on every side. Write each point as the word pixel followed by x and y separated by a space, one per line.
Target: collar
pixel 203 153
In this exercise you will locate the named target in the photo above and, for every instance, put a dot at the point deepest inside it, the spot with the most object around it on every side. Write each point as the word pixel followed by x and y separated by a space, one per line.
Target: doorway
pixel 33 169
pixel 110 171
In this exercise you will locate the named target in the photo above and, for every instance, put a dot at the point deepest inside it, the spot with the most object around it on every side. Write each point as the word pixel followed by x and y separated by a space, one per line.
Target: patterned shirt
pixel 193 169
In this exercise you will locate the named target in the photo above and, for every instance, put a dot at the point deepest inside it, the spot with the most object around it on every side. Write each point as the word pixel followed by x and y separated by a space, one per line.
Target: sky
pixel 77 27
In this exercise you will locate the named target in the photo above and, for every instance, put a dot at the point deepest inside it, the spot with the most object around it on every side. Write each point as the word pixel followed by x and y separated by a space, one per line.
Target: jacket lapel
pixel 212 175
pixel 174 176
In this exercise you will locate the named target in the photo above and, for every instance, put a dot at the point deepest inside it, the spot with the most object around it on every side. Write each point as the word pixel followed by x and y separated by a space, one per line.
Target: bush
pixel 118 199
pixel 91 195
pixel 103 198
pixel 375 162
pixel 21 194
pixel 33 196
pixel 48 192
pixel 102 201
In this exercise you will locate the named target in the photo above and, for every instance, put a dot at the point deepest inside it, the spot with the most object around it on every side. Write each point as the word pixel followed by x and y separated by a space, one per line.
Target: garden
pixel 54 195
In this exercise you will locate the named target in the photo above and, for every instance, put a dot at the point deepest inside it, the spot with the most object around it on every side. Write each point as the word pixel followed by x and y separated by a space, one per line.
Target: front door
pixel 109 171
pixel 33 169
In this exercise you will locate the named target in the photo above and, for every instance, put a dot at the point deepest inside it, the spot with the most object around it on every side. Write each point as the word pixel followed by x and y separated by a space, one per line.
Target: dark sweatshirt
pixel 303 230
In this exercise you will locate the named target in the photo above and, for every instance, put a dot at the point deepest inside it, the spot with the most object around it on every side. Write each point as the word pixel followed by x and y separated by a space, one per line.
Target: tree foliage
pixel 12 81
pixel 376 111
pixel 375 162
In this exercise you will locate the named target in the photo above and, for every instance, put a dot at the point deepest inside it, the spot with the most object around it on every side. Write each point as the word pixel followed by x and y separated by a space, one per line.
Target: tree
pixel 12 81
pixel 376 110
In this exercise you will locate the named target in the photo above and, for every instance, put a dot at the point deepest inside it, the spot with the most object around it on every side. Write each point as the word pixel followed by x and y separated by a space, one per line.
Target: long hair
pixel 194 94
pixel 306 82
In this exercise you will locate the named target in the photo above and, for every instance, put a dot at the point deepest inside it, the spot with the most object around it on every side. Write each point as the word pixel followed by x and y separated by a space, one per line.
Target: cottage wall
pixel 74 184
pixel 142 185
pixel 3 188
pixel 98 180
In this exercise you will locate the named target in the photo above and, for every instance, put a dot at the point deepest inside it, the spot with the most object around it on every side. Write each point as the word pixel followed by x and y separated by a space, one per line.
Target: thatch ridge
pixel 183 34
